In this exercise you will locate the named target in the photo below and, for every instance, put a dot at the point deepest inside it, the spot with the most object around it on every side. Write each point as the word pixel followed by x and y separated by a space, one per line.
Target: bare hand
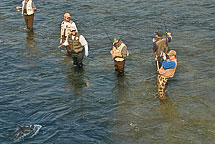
pixel 111 51
pixel 59 46
pixel 164 56
pixel 169 34
pixel 86 54
pixel 154 40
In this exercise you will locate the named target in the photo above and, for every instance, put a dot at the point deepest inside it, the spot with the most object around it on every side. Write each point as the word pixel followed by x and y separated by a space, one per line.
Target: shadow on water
pixel 31 44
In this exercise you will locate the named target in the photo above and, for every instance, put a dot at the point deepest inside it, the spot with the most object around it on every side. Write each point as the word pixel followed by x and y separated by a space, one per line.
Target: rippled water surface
pixel 40 86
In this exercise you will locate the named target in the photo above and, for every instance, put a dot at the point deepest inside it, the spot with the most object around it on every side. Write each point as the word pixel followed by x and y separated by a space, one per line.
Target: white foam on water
pixel 36 130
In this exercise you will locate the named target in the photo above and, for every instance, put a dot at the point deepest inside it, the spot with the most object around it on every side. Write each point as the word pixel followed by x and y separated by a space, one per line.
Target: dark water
pixel 39 85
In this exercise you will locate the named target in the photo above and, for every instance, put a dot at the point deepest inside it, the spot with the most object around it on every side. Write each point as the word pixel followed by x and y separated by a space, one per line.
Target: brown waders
pixel 29 20
pixel 119 66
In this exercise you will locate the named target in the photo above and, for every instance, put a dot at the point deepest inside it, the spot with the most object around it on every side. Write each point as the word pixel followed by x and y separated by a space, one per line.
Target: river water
pixel 93 105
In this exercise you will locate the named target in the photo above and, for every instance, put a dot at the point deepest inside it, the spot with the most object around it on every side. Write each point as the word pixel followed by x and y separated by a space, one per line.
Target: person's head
pixel 67 17
pixel 116 40
pixel 171 54
pixel 158 34
pixel 73 30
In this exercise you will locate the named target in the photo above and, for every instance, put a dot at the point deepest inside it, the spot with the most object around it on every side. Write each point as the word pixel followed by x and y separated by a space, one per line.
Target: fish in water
pixel 22 130
pixel 26 132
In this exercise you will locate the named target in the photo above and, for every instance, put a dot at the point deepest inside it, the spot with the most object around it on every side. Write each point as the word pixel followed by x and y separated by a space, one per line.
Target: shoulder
pixel 78 35
pixel 124 45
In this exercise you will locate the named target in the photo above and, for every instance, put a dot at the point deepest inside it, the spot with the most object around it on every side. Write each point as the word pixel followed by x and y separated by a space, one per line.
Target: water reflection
pixel 75 77
pixel 121 85
pixel 170 120
pixel 31 44
pixel 167 110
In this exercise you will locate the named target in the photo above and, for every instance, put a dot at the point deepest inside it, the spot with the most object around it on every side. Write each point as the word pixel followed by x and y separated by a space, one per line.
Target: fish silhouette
pixel 25 132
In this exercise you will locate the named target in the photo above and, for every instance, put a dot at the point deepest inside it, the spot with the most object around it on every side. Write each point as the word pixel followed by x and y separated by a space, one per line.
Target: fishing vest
pixel 162 45
pixel 119 51
pixel 29 8
pixel 66 28
pixel 168 72
pixel 74 45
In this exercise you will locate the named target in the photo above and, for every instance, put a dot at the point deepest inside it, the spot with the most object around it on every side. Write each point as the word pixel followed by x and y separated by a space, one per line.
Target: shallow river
pixel 39 85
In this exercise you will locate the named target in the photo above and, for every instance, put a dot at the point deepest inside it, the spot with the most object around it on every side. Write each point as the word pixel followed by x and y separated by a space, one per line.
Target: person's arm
pixel 124 52
pixel 111 52
pixel 62 32
pixel 84 43
pixel 161 61
pixel 154 47
pixel 34 7
pixel 18 7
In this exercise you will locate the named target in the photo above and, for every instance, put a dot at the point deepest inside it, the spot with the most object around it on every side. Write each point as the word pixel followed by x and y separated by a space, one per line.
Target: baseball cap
pixel 171 53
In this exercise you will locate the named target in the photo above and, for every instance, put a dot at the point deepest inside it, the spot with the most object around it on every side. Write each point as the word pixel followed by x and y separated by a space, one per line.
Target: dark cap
pixel 159 33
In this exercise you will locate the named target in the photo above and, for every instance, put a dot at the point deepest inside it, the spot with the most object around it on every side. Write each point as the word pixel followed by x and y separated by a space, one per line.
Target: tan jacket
pixel 118 51
pixel 29 7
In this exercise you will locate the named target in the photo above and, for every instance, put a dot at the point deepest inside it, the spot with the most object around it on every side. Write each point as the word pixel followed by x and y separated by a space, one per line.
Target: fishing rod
pixel 107 35
pixel 164 25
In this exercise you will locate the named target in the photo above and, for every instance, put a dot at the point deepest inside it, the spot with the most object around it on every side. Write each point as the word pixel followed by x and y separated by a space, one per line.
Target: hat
pixel 171 53
pixel 73 28
pixel 116 39
pixel 67 15
pixel 159 33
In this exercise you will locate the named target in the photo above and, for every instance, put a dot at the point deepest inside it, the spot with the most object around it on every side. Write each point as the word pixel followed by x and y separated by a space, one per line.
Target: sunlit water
pixel 40 86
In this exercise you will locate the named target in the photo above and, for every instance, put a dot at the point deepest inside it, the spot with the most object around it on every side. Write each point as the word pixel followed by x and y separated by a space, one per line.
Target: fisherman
pixel 66 27
pixel 166 71
pixel 28 8
pixel 160 45
pixel 76 44
pixel 119 53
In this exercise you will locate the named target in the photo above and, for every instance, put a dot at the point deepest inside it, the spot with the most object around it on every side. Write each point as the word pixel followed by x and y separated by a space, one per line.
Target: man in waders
pixel 28 8
pixel 66 27
pixel 76 45
pixel 119 53
pixel 166 71
pixel 160 45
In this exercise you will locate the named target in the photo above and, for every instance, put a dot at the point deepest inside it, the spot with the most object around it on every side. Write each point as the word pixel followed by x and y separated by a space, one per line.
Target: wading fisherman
pixel 166 71
pixel 28 8
pixel 119 53
pixel 76 45
pixel 66 27
pixel 160 45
